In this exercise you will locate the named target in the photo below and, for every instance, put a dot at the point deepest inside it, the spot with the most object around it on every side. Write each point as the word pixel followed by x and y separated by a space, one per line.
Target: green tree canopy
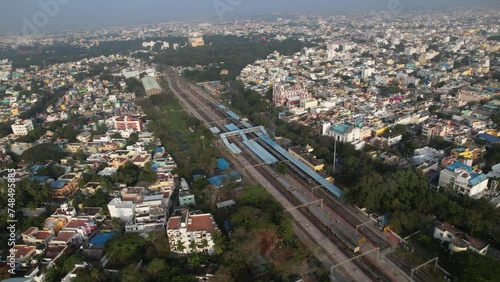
pixel 43 152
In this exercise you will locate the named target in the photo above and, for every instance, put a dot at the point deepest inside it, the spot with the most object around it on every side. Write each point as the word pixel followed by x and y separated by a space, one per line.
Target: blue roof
pixel 477 178
pixel 220 179
pixel 214 130
pixel 489 138
pixel 38 178
pixel 456 165
pixel 262 153
pixel 460 150
pixel 58 184
pixel 222 164
pixel 159 149
pixel 233 115
pixel 101 239
pixel 302 166
pixel 35 168
pixel 341 128
pixel 246 124
pixel 231 127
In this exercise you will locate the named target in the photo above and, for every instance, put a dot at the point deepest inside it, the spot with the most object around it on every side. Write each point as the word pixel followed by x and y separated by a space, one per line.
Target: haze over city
pixel 74 14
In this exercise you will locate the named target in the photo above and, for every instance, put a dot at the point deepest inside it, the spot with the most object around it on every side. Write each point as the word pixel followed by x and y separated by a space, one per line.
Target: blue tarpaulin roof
pixel 220 180
pixel 101 239
pixel 489 138
pixel 58 184
pixel 222 164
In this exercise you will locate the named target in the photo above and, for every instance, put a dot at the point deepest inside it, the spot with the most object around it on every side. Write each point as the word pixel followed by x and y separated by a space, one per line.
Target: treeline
pixel 225 52
pixel 63 53
pixel 402 192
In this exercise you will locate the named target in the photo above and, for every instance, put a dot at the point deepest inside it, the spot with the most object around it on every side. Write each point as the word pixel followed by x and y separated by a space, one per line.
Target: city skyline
pixel 57 15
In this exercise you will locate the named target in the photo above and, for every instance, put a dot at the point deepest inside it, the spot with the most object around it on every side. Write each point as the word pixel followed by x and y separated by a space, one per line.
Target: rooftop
pixel 445 226
pixel 201 222
pixel 64 236
pixel 341 128
pixel 58 184
pixel 150 83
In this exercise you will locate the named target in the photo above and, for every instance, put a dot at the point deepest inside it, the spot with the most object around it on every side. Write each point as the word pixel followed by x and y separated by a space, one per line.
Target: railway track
pixel 363 263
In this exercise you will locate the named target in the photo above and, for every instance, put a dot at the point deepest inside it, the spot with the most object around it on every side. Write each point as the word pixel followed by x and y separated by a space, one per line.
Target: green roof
pixel 341 128
pixel 150 83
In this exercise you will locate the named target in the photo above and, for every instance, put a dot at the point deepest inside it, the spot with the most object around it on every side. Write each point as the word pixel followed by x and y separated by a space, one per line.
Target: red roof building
pixel 126 123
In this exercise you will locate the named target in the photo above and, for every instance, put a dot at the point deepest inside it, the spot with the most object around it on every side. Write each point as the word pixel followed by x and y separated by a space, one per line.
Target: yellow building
pixel 74 147
pixel 14 111
pixel 307 158
pixel 466 153
pixel 380 131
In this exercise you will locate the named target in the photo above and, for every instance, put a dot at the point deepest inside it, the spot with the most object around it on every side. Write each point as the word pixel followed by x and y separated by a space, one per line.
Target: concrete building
pixel 191 233
pixel 458 240
pixel 307 158
pixel 34 236
pixel 345 132
pixel 463 180
pixel 124 210
pixel 151 86
pixel 196 41
pixel 22 127
pixel 186 197
pixel 283 94
pixel 126 123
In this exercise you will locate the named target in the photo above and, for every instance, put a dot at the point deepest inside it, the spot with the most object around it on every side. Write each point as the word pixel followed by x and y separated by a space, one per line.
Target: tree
pixel 180 246
pixel 131 274
pixel 147 174
pixel 128 174
pixel 67 132
pixel 98 199
pixel 42 153
pixel 192 246
pixel 126 248
pixel 155 268
pixel 433 108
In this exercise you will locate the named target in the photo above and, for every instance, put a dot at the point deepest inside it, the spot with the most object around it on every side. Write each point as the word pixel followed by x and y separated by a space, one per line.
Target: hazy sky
pixel 16 15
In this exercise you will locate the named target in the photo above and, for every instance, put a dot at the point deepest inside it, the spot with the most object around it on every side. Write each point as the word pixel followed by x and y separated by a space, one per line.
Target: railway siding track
pixel 364 264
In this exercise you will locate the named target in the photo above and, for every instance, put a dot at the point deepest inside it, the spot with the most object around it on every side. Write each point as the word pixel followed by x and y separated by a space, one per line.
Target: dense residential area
pixel 114 176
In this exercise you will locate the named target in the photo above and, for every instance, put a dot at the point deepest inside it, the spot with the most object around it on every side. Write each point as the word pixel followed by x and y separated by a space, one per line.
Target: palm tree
pixel 192 246
pixel 204 243
pixel 180 246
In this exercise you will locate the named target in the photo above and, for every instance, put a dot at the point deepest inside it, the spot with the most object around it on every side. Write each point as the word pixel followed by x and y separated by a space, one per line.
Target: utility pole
pixel 334 154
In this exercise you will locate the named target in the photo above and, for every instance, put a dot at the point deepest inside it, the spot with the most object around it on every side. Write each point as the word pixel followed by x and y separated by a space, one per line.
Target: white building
pixel 186 198
pixel 148 216
pixel 191 233
pixel 345 132
pixel 124 210
pixel 463 180
pixel 22 127
pixel 458 240
pixel 366 73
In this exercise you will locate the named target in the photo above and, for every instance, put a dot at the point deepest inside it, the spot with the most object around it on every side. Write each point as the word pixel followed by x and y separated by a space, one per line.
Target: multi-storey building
pixel 126 123
pixel 191 233
pixel 463 180
pixel 22 127
pixel 282 94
